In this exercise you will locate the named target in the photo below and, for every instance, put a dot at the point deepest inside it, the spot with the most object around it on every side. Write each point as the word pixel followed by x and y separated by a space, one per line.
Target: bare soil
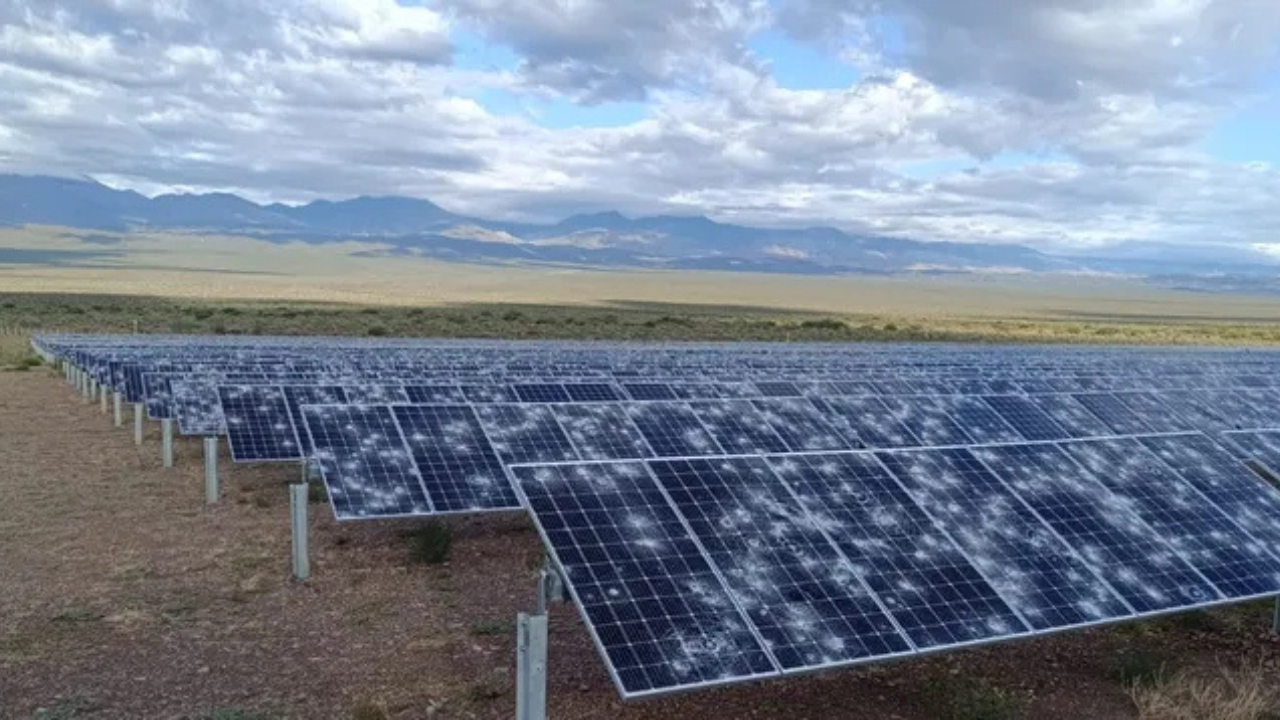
pixel 123 596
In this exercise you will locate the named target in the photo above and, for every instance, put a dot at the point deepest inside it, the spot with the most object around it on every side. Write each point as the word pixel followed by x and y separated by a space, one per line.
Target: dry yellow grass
pixel 240 268
pixel 1247 693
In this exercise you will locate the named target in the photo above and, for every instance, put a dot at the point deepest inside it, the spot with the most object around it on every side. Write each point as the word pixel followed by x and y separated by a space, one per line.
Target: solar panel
pixel 866 422
pixel 738 427
pixel 541 393
pixel 456 464
pixel 1042 578
pixel 1249 501
pixel 927 420
pixel 1238 565
pixel 655 606
pixel 601 432
pixel 259 427
pixel 363 461
pixel 1074 419
pixel 1026 417
pixel 1101 527
pixel 933 592
pixel 980 422
pixel 804 597
pixel 525 433
pixel 672 429
pixel 1260 447
pixel 298 395
pixel 593 392
pixel 801 425
pixel 196 408
pixel 1114 414
pixel 434 394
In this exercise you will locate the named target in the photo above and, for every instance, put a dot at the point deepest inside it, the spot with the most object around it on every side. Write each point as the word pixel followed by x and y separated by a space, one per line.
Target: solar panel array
pixel 727 513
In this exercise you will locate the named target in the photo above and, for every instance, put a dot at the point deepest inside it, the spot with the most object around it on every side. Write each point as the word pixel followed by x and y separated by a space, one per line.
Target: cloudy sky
pixel 1048 122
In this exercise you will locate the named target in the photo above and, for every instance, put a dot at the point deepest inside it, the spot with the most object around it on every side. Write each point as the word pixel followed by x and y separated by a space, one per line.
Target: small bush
pixel 377 331
pixel 33 361
pixel 1246 694
pixel 490 627
pixel 824 324
pixel 202 313
pixel 431 543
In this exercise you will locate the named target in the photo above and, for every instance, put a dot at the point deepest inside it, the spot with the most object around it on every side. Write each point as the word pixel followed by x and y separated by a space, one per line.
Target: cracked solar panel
pixel 672 429
pixel 1102 527
pixel 1260 447
pixel 807 601
pixel 364 463
pixel 196 407
pixel 866 422
pixel 1252 503
pixel 458 467
pixel 541 392
pixel 1153 412
pixel 980 422
pixel 656 607
pixel 259 427
pixel 927 420
pixel 1240 566
pixel 1115 414
pixel 923 579
pixel 1033 569
pixel 298 395
pixel 374 394
pixel 801 425
pixel 738 427
pixel 602 432
pixel 1026 417
pixel 525 433
pixel 434 394
pixel 593 392
pixel 1076 420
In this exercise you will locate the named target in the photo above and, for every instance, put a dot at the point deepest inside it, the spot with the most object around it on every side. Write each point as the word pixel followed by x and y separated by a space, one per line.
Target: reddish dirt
pixel 123 596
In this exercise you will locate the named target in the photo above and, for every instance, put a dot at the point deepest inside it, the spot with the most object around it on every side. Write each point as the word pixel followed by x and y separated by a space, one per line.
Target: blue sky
pixel 969 120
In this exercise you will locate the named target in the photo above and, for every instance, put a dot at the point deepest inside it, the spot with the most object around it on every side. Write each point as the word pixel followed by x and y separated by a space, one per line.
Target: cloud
pixel 1053 122
pixel 598 50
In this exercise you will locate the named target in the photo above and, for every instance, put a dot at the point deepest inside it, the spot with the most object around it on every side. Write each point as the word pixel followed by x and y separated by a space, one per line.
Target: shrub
pixel 1245 694
pixel 431 543
pixel 377 331
pixel 959 698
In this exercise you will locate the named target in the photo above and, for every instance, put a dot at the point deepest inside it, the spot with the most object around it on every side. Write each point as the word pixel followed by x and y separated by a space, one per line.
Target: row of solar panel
pixel 263 422
pixel 445 455
pixel 698 572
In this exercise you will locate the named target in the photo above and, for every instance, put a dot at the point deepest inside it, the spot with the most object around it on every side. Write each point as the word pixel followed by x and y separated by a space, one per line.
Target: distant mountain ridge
pixel 608 239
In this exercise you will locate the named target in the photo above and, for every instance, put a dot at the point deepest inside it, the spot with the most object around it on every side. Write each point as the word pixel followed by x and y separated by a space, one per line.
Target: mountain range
pixel 419 227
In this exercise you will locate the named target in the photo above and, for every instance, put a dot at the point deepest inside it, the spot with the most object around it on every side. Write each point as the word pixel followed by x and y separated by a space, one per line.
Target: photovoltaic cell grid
pixel 840 558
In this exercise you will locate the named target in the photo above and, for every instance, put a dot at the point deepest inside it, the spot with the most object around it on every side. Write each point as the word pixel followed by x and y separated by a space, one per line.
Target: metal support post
pixel 211 490
pixel 166 442
pixel 531 666
pixel 86 388
pixel 117 401
pixel 137 423
pixel 298 526
pixel 102 398
pixel 1275 619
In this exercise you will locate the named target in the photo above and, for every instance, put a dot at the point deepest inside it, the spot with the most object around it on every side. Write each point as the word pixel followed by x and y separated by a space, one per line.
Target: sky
pixel 1053 123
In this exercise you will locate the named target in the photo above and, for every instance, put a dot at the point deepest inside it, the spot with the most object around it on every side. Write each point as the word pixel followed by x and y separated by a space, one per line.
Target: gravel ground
pixel 122 596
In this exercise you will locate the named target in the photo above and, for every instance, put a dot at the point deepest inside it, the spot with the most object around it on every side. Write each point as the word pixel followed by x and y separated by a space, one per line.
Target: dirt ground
pixel 123 596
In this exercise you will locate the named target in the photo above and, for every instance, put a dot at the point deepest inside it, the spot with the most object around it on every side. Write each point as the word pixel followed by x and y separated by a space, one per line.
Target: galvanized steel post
pixel 298 527
pixel 166 442
pixel 211 490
